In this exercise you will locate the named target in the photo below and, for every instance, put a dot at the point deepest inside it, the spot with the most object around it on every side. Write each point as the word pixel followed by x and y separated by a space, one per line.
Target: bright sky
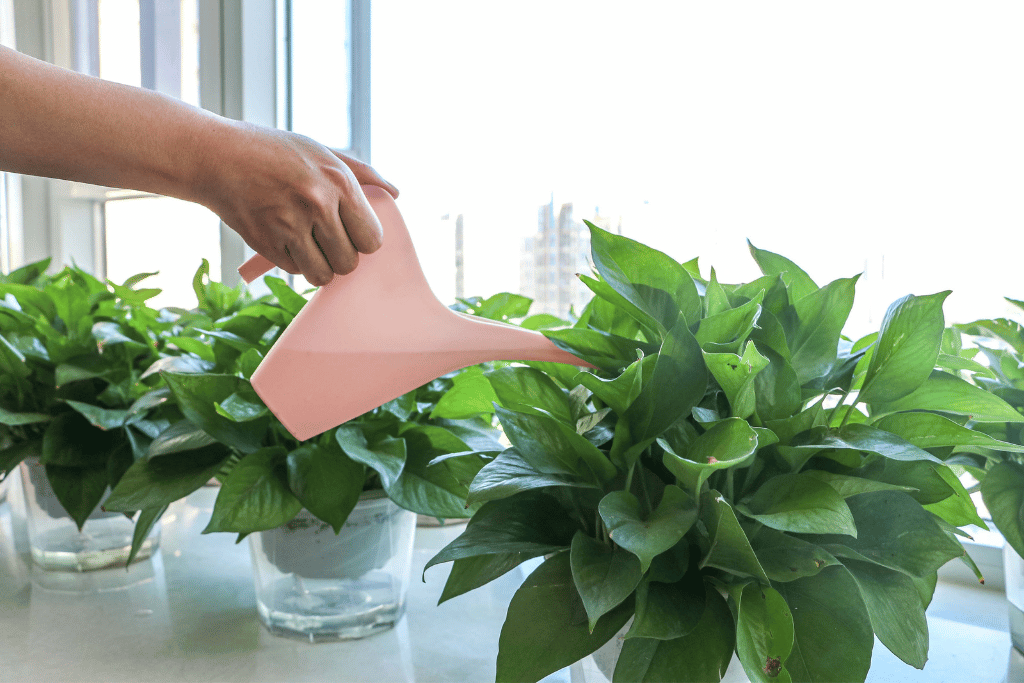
pixel 872 137
pixel 832 133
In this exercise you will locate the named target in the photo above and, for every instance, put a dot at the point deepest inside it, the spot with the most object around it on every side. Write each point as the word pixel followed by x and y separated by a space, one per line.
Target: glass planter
pixel 316 585
pixel 1014 567
pixel 55 541
pixel 599 666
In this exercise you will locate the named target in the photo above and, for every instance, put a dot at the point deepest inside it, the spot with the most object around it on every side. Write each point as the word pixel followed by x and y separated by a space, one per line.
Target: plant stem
pixel 729 483
pixel 848 414
pixel 842 401
pixel 629 476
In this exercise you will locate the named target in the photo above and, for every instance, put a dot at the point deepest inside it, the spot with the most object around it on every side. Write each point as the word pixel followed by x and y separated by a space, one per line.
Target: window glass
pixel 151 234
pixel 866 139
pixel 319 65
pixel 119 41
pixel 190 51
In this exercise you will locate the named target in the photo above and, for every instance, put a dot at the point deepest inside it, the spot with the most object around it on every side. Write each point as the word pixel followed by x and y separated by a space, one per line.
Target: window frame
pixel 241 76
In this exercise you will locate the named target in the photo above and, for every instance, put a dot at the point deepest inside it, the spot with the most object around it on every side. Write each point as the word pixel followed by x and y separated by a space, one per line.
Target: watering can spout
pixel 379 332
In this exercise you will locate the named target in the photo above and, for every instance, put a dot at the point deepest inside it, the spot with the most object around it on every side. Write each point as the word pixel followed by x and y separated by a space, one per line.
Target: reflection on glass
pixel 161 234
pixel 320 63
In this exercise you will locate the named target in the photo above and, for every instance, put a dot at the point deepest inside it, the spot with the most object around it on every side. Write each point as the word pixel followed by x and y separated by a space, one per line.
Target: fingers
pixel 311 262
pixel 366 174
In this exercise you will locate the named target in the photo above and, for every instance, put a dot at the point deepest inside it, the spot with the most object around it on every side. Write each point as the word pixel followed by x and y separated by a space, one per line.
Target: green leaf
pixel 649 279
pixel 730 549
pixel 727 330
pixel 70 441
pixel 197 396
pixel 735 374
pixel 894 607
pixel 957 509
pixel 822 606
pixel 862 437
pixel 546 626
pixel 801 504
pixel 109 333
pixel 603 577
pixel 27 274
pixel 666 611
pixel 387 458
pixel 17 419
pixel 470 395
pixel 531 524
pixel 785 558
pixel 326 481
pixel 764 632
pixel 289 299
pixel 180 436
pixel 715 299
pixel 620 393
pixel 847 486
pixel 469 573
pixel 677 384
pixel 1002 489
pixel 606 292
pixel 542 321
pixel 702 655
pixel 183 364
pixel 776 388
pixel 947 394
pixel 30 297
pixel 929 430
pixel 12 456
pixel 820 318
pixel 652 535
pixel 894 531
pixel 508 474
pixel 729 443
pixel 241 407
pixel 798 282
pixel 438 491
pixel 552 447
pixel 527 390
pixel 78 489
pixel 157 482
pixel 143 525
pixel 102 418
pixel 254 497
pixel 606 351
pixel 503 306
pixel 907 348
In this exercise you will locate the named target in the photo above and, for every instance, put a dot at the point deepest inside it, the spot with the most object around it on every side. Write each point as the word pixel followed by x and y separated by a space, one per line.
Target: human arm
pixel 273 187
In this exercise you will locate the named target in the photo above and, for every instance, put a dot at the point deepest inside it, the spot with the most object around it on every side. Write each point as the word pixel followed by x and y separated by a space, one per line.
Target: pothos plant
pixel 998 467
pixel 78 391
pixel 422 462
pixel 735 476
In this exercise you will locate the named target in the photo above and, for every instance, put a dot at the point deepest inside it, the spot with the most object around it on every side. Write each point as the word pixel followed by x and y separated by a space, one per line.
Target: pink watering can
pixel 370 336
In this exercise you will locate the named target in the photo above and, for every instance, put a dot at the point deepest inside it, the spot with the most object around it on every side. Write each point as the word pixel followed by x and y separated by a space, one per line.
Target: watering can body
pixel 370 336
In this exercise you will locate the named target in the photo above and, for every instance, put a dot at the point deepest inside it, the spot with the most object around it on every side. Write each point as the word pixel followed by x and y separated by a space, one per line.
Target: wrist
pixel 215 140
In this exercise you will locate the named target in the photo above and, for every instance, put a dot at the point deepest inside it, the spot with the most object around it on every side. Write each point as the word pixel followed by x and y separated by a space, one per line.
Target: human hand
pixel 291 199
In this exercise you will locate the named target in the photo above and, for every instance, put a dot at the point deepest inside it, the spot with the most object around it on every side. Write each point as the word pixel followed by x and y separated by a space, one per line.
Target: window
pixel 857 139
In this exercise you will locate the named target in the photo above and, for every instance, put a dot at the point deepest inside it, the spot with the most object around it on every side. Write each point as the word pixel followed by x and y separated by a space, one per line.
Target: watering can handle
pixel 254 267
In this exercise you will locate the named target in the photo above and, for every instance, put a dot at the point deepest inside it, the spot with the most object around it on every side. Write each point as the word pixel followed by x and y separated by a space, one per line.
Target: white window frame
pixel 241 76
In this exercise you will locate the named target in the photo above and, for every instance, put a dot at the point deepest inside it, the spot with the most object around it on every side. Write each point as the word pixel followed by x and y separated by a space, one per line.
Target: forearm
pixel 60 124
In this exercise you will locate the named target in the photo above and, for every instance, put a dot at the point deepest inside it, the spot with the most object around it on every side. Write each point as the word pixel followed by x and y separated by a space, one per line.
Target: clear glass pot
pixel 1014 567
pixel 314 584
pixel 55 541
